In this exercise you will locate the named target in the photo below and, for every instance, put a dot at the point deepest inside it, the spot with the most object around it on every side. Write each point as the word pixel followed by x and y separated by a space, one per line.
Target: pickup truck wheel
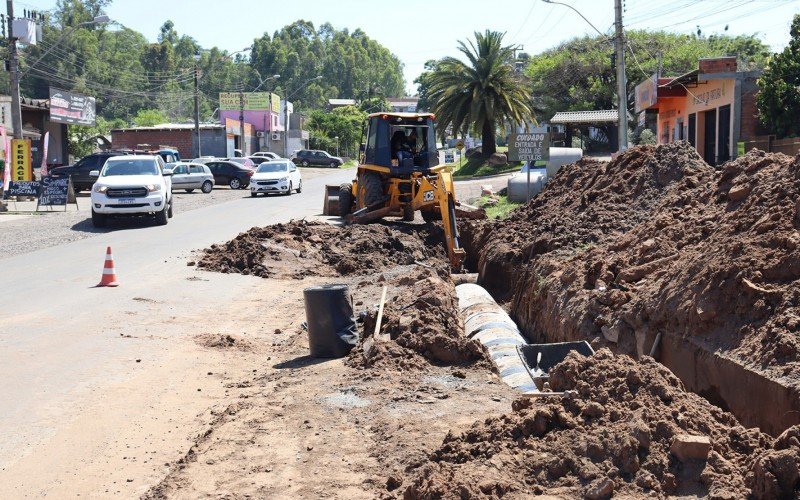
pixel 289 192
pixel 169 209
pixel 300 187
pixel 162 218
pixel 190 190
pixel 253 194
pixel 235 183
pixel 99 220
pixel 207 187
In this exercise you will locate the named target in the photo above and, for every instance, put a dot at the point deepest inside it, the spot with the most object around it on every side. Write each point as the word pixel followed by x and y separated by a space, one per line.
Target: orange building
pixel 712 107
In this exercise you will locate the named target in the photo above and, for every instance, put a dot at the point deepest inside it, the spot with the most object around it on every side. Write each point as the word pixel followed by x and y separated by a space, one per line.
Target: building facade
pixel 214 138
pixel 712 107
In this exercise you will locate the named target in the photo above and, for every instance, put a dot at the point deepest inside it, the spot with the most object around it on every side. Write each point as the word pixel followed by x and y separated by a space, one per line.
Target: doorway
pixel 710 141
pixel 723 143
pixel 693 130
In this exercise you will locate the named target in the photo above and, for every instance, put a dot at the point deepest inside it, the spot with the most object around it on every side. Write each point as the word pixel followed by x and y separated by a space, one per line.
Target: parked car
pixel 79 172
pixel 132 185
pixel 310 157
pixel 228 173
pixel 258 160
pixel 276 176
pixel 243 160
pixel 268 154
pixel 191 176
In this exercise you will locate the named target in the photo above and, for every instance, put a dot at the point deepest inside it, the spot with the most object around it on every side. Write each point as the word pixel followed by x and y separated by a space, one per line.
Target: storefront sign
pixel 709 95
pixel 253 101
pixel 21 160
pixel 647 93
pixel 529 147
pixel 23 188
pixel 71 108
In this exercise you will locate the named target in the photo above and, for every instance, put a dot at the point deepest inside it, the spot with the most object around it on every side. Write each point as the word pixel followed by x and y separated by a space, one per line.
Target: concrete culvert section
pixel 658 242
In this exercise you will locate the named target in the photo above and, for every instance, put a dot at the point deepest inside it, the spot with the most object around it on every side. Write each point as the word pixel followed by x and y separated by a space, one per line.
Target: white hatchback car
pixel 132 185
pixel 276 176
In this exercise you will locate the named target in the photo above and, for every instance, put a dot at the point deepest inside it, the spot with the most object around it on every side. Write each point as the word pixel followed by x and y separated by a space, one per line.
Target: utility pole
pixel 13 60
pixel 286 127
pixel 241 119
pixel 622 93
pixel 197 151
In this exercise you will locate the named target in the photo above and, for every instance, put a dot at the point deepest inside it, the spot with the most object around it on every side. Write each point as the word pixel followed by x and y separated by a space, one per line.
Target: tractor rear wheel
pixel 345 199
pixel 372 189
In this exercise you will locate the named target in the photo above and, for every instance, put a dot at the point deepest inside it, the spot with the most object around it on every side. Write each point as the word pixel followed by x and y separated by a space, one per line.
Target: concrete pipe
pixel 487 322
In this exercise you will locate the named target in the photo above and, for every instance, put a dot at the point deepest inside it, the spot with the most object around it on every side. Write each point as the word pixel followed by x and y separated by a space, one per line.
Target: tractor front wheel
pixel 345 199
pixel 372 186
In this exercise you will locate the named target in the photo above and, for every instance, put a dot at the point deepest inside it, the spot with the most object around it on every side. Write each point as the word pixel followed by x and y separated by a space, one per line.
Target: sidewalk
pixel 468 191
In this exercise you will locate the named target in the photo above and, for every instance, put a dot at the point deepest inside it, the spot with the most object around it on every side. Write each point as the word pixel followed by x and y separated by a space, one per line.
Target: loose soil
pixel 656 241
pixel 300 248
pixel 613 437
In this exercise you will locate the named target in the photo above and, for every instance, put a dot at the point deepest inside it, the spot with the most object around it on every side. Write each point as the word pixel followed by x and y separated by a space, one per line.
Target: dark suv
pixel 79 172
pixel 307 157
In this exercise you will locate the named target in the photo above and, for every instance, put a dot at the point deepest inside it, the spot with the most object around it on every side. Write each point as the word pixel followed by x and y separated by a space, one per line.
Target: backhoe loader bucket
pixel 330 205
pixel 540 358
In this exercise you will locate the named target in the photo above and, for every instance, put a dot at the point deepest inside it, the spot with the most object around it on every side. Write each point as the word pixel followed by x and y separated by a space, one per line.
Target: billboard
pixel 647 93
pixel 70 108
pixel 253 101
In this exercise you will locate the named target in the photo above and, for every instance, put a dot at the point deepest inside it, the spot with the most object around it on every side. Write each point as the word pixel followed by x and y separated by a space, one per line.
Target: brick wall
pixel 718 65
pixel 179 139
pixel 750 124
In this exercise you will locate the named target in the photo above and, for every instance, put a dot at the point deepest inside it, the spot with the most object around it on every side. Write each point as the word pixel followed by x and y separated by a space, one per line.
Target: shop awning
pixel 587 117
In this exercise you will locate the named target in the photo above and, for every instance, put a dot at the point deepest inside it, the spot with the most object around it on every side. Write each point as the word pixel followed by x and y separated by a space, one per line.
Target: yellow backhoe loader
pixel 399 174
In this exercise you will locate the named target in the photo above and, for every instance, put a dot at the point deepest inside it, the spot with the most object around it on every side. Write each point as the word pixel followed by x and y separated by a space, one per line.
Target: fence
pixel 789 146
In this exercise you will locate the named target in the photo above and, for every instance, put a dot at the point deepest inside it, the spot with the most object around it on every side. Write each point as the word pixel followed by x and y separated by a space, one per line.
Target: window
pixel 131 167
pixel 180 169
pixel 195 170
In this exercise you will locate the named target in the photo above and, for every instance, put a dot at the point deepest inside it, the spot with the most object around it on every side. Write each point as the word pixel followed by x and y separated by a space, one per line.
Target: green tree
pixel 779 88
pixel 149 118
pixel 423 82
pixel 346 123
pixel 483 94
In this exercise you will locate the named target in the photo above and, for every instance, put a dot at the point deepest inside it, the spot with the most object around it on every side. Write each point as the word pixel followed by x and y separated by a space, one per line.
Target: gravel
pixel 23 234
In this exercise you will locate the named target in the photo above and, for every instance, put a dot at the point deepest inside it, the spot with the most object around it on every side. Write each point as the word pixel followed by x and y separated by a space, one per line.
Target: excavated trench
pixel 657 241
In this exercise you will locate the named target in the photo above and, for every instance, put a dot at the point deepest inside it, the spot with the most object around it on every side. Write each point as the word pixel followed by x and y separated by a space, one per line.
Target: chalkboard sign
pixel 54 191
pixel 23 188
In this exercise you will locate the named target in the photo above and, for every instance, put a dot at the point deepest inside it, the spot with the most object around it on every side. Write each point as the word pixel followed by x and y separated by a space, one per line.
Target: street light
pixel 286 113
pixel 241 104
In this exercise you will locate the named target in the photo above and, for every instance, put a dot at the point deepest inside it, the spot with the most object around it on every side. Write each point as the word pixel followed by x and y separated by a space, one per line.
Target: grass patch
pixel 477 166
pixel 499 211
pixel 349 164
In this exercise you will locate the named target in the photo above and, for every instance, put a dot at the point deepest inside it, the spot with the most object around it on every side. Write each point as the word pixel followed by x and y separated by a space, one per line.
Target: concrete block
pixel 687 447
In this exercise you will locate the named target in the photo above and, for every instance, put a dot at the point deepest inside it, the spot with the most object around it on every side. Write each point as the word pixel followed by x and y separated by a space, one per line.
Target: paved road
pixel 65 346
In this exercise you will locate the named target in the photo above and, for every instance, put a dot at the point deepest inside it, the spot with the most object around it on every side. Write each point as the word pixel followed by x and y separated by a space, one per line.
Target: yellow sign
pixel 21 160
pixel 250 101
pixel 459 144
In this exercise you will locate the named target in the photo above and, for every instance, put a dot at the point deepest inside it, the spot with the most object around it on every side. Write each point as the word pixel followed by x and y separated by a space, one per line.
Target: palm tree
pixel 481 94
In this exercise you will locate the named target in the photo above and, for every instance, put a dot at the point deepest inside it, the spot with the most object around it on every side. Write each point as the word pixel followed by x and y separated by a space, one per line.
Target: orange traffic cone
pixel 109 277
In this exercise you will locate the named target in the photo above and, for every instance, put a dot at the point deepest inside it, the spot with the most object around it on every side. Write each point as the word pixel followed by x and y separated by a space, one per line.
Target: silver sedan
pixel 191 176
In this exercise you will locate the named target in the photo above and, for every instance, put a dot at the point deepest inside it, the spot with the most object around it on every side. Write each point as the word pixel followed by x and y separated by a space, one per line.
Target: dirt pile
pixel 613 437
pixel 422 320
pixel 588 202
pixel 300 248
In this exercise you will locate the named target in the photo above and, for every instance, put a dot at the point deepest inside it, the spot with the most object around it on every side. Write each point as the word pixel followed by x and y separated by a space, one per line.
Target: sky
pixel 419 30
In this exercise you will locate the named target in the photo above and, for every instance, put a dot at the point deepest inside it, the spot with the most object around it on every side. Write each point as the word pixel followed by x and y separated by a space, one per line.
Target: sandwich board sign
pixel 56 191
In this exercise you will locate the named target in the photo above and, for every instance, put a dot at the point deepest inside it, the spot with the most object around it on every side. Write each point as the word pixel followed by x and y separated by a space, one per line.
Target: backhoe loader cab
pixel 399 173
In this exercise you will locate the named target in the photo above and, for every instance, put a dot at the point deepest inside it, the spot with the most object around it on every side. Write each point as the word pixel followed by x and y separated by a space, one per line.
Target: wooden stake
pixel 377 335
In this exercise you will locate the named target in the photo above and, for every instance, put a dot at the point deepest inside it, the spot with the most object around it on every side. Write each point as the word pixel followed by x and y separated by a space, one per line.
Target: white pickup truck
pixel 132 185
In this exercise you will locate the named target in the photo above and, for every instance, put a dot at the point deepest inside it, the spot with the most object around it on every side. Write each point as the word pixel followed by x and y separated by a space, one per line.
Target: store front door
pixel 710 142
pixel 724 142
